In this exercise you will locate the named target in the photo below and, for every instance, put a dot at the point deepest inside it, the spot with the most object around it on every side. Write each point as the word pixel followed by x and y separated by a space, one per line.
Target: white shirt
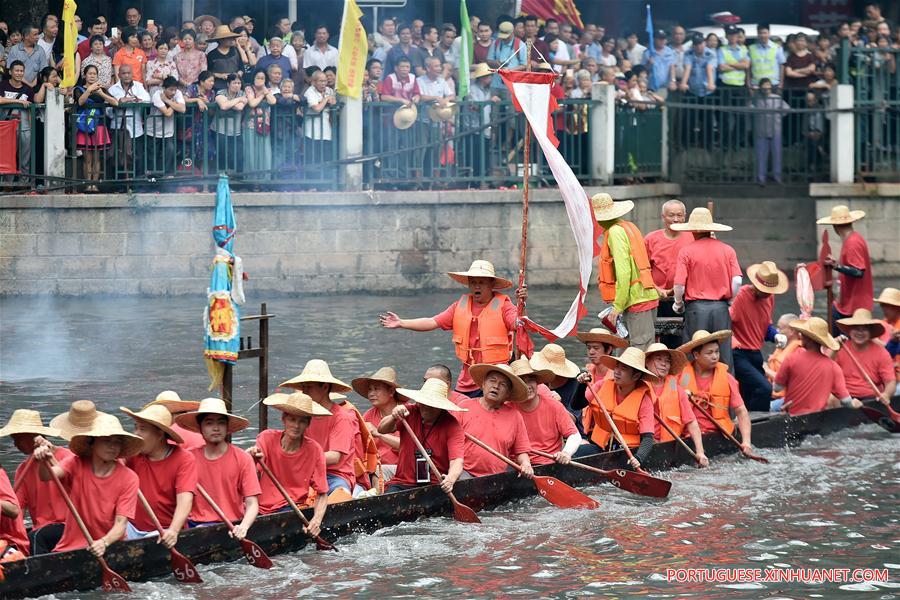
pixel 130 116
pixel 635 55
pixel 159 126
pixel 438 87
pixel 315 57
pixel 317 126
pixel 46 46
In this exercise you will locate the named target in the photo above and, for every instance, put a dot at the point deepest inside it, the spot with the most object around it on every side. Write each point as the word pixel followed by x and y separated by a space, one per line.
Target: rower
pixel 13 538
pixel 552 357
pixel 427 414
pixel 490 419
pixel 296 460
pixel 600 342
pixel 854 266
pixel 786 342
pixel 808 377
pixel 672 404
pixel 337 433
pixel 859 334
pixel 751 318
pixel 225 471
pixel 442 372
pixel 628 398
pixel 625 278
pixel 40 498
pixel 167 474
pixel 707 277
pixel 708 382
pixel 175 405
pixel 483 321
pixel 889 301
pixel 663 246
pixel 380 389
pixel 103 490
pixel 547 421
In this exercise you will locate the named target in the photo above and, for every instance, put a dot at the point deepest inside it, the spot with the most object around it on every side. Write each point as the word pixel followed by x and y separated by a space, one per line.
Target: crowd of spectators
pixel 241 73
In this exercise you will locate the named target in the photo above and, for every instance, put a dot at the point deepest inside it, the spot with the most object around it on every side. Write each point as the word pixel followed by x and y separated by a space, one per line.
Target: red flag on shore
pixel 563 11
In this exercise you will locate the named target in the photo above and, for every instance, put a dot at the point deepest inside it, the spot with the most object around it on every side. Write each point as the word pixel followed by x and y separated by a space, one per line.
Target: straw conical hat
pixel 679 360
pixel 298 404
pixel 158 416
pixel 337 398
pixel 222 32
pixel 552 357
pixel 24 420
pixel 700 220
pixel 211 406
pixel 518 390
pixel 385 375
pixel 440 114
pixel 434 393
pixel 631 357
pixel 841 215
pixel 522 367
pixel 889 296
pixel 105 426
pixel 405 116
pixel 862 318
pixel 480 70
pixel 702 337
pixel 199 21
pixel 173 402
pixel 767 278
pixel 816 329
pixel 80 417
pixel 601 335
pixel 317 371
pixel 605 209
pixel 480 268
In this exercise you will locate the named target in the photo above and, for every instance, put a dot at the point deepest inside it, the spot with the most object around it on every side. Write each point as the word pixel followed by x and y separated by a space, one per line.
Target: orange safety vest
pixel 716 401
pixel 607 270
pixel 777 358
pixel 624 415
pixel 367 461
pixel 669 408
pixel 495 339
pixel 587 416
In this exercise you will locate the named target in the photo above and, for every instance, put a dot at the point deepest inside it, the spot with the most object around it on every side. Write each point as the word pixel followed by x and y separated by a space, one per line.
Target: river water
pixel 833 502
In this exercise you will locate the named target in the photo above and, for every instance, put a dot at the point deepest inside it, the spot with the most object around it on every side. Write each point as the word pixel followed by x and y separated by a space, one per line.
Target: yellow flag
pixel 352 53
pixel 69 76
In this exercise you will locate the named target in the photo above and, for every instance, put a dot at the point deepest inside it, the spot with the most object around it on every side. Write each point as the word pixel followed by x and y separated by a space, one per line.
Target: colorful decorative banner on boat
pixel 531 96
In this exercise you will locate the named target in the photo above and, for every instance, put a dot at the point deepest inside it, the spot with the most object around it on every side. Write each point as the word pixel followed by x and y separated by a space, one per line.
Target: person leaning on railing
pixel 166 101
pixel 14 92
pixel 128 123
pixel 227 123
pixel 92 136
pixel 257 122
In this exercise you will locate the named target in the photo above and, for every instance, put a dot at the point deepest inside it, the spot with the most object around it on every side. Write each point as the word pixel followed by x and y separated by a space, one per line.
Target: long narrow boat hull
pixel 140 560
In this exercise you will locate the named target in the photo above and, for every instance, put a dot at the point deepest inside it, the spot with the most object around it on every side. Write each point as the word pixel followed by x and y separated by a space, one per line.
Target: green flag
pixel 465 50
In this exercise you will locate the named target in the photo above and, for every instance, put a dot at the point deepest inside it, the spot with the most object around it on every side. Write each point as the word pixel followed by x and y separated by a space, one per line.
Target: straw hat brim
pixel 188 421
pixel 688 226
pixel 480 72
pixel 316 410
pixel 400 118
pixel 175 406
pixel 67 429
pixel 855 215
pixel 199 20
pixel 783 282
pixel 361 384
pixel 518 389
pixel 889 300
pixel 618 209
pixel 716 336
pixel 827 341
pixel 602 338
pixel 336 384
pixel 463 278
pixel 876 327
pixel 80 444
pixel 15 427
pixel 610 362
pixel 542 375
pixel 568 369
pixel 679 360
pixel 432 400
pixel 165 428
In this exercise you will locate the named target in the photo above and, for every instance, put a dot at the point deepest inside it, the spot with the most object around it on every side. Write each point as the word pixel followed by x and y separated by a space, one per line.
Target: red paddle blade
pixel 255 555
pixel 464 514
pixel 112 581
pixel 757 458
pixel 183 569
pixel 323 544
pixel 640 483
pixel 564 496
pixel 879 418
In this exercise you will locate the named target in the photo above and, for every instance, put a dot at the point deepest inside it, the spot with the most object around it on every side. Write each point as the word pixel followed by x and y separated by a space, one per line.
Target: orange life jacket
pixel 366 462
pixel 607 270
pixel 587 416
pixel 777 358
pixel 624 415
pixel 669 408
pixel 495 339
pixel 717 399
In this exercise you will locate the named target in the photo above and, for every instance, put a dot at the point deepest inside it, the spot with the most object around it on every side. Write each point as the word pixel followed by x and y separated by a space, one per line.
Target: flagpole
pixel 523 257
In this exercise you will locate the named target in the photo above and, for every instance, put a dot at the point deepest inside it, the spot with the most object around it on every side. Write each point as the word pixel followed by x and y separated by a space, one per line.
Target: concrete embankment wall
pixel 383 242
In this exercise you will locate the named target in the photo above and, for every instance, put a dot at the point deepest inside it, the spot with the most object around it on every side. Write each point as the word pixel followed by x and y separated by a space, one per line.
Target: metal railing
pixel 28 126
pixel 638 150
pixel 876 83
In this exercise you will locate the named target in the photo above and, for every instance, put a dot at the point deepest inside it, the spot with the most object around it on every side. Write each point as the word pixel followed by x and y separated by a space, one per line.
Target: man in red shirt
pixel 167 474
pixel 496 423
pixel 751 318
pixel 427 414
pixel 297 461
pixel 663 246
pixel 12 525
pixel 707 277
pixel 225 471
pixel 862 331
pixel 336 434
pixel 854 266
pixel 483 321
pixel 807 376
pixel 40 498
pixel 547 421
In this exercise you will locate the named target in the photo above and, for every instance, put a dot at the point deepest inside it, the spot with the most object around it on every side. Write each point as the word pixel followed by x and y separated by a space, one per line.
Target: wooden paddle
pixel 461 512
pixel 630 481
pixel 724 432
pixel 183 569
pixel 677 437
pixel 554 490
pixel 254 554
pixel 894 415
pixel 615 429
pixel 112 581
pixel 321 544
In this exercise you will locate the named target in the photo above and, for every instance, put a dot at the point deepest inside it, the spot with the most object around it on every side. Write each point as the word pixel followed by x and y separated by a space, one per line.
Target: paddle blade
pixel 564 496
pixel 255 555
pixel 112 581
pixel 640 483
pixel 879 418
pixel 183 569
pixel 757 458
pixel 464 514
pixel 323 544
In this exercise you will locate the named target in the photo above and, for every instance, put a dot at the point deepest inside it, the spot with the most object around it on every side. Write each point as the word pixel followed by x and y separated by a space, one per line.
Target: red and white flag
pixel 531 96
